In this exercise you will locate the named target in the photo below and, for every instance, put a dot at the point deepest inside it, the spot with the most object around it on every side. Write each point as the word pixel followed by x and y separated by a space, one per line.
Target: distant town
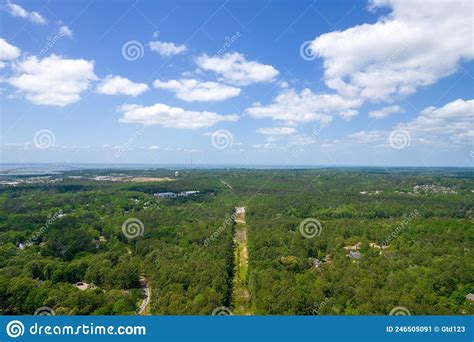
pixel 173 195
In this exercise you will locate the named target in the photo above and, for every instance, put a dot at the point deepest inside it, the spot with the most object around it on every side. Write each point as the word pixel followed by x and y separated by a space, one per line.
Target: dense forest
pixel 386 238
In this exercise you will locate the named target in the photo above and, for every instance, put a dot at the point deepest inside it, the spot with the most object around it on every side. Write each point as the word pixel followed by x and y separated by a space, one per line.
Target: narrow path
pixel 227 184
pixel 144 307
pixel 240 295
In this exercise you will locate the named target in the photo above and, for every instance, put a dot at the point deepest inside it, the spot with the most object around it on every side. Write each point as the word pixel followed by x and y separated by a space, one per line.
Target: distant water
pixel 41 169
pixel 13 169
pixel 34 169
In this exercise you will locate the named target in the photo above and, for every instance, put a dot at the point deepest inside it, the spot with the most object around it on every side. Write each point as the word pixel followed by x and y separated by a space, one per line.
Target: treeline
pixel 428 266
pixel 54 236
pixel 51 239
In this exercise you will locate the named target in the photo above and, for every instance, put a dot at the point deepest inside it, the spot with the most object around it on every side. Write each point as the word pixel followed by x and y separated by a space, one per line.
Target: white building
pixel 165 195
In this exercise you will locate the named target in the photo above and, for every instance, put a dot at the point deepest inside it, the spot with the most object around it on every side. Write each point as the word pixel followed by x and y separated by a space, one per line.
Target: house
pixel 82 285
pixel 165 195
pixel 316 263
pixel 173 195
pixel 355 247
pixel 188 193
pixel 374 245
pixel 354 255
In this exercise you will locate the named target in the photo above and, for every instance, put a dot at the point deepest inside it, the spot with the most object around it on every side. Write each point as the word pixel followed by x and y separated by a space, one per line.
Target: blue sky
pixel 383 83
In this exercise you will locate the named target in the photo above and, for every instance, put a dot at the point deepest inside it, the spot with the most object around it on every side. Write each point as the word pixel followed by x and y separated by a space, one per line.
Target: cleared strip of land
pixel 241 301
pixel 144 308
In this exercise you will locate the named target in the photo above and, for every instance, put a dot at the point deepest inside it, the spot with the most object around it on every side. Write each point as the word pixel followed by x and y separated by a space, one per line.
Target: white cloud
pixel 367 137
pixel 453 122
pixel 450 125
pixel 18 11
pixel 410 50
pixel 348 114
pixel 28 145
pixel 277 131
pixel 8 52
pixel 384 112
pixel 294 108
pixel 193 90
pixel 263 147
pixel 301 140
pixel 235 69
pixel 154 147
pixel 166 116
pixel 52 81
pixel 167 48
pixel 115 85
pixel 65 31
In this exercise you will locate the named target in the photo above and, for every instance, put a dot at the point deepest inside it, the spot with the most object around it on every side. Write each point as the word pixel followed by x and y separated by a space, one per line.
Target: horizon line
pixel 234 165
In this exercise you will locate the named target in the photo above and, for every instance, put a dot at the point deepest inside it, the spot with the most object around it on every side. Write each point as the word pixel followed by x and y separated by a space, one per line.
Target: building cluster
pixel 173 195
pixel 316 263
pixel 433 188
pixel 370 193
pixel 30 180
pixel 354 249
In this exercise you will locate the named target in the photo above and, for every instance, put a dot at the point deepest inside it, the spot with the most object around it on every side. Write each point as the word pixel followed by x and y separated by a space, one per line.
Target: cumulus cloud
pixel 348 114
pixel 8 52
pixel 193 90
pixel 235 69
pixel 18 11
pixel 65 31
pixel 450 125
pixel 175 117
pixel 366 137
pixel 52 81
pixel 411 51
pixel 453 122
pixel 116 85
pixel 301 140
pixel 167 48
pixel 277 131
pixel 384 112
pixel 294 108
